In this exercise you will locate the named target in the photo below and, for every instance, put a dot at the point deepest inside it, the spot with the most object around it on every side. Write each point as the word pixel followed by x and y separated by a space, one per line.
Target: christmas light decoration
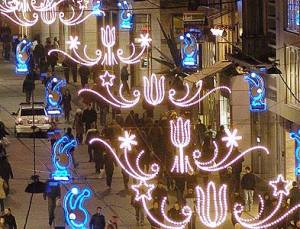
pixel 125 15
pixel 27 12
pixel 231 139
pixel 280 190
pixel 61 158
pixel 196 98
pixel 107 82
pixel 76 214
pixel 126 144
pixel 108 39
pixel 23 57
pixel 180 138
pixel 257 92
pixel 154 89
pixel 296 137
pixel 189 51
pixel 219 201
pixel 53 96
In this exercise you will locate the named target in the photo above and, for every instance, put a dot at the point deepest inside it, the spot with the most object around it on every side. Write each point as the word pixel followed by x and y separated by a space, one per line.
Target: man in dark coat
pixel 175 212
pixel 109 168
pixel 248 185
pixel 124 78
pixel 10 220
pixel 159 192
pixel 237 168
pixel 89 116
pixel 98 220
pixel 84 73
pixel 38 52
pixel 6 172
pixel 294 197
pixel 52 193
pixel 28 87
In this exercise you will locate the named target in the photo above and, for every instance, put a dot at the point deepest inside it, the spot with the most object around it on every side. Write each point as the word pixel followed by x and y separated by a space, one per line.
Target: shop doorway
pixel 289 157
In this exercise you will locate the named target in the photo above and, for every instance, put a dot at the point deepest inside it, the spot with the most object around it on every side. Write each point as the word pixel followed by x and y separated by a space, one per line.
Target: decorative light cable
pixel 219 201
pixel 23 57
pixel 196 98
pixel 257 92
pixel 231 139
pixel 76 214
pixel 296 136
pixel 107 83
pixel 61 158
pixel 53 96
pixel 280 190
pixel 180 138
pixel 125 15
pixel 108 39
pixel 126 144
pixel 18 11
pixel 154 89
pixel 189 51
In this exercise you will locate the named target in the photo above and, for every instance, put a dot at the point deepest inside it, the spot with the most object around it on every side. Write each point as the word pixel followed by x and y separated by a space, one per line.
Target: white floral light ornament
pixel 127 141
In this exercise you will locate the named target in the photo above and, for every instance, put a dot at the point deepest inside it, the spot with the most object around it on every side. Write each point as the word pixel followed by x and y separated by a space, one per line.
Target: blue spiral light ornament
pixel 23 57
pixel 189 51
pixel 296 136
pixel 257 92
pixel 125 15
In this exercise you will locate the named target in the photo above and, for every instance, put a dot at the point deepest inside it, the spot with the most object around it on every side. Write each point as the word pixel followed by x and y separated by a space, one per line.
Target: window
pixel 28 112
pixel 293 15
pixel 293 73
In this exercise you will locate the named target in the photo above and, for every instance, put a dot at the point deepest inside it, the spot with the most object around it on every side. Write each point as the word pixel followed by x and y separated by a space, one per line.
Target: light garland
pixel 180 138
pixel 231 139
pixel 154 89
pixel 280 190
pixel 196 98
pixel 23 57
pixel 203 205
pixel 73 206
pixel 125 15
pixel 107 82
pixel 108 39
pixel 18 10
pixel 296 136
pixel 53 87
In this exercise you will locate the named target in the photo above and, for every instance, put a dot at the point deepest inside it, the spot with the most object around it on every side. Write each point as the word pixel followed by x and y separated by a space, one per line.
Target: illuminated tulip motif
pixel 212 197
pixel 181 137
pixel 154 89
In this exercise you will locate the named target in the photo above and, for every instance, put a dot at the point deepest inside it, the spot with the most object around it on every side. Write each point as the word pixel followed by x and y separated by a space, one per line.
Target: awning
pixel 210 71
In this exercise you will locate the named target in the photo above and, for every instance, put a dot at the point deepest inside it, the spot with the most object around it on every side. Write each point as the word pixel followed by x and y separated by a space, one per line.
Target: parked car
pixel 26 114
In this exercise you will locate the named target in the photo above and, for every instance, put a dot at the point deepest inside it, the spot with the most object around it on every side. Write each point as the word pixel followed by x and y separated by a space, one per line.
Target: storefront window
pixel 293 15
pixel 224 111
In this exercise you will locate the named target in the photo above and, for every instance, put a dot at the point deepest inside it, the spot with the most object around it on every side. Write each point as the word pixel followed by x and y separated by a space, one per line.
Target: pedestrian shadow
pixel 123 193
pixel 103 194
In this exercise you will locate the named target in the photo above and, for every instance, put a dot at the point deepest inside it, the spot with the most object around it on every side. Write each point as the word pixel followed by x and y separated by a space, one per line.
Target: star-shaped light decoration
pixel 107 79
pixel 143 190
pixel 73 42
pixel 280 186
pixel 145 40
pixel 127 141
pixel 231 138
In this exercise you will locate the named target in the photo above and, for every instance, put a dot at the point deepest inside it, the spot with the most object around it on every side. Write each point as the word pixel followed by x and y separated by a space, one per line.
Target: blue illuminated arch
pixel 73 204
pixel 23 57
pixel 257 92
pixel 125 15
pixel 296 137
pixel 54 107
pixel 189 51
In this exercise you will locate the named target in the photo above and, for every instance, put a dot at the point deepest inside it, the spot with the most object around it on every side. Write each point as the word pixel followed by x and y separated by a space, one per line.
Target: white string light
pixel 154 89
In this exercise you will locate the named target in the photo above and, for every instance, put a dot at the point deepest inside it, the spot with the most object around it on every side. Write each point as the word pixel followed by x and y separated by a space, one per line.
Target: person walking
pixel 237 168
pixel 59 216
pixel 109 168
pixel 125 78
pixel 155 212
pixel 89 116
pixel 139 211
pixel 294 198
pixel 3 186
pixel 38 53
pixel 248 185
pixel 10 220
pixel 90 134
pixel 84 73
pixel 98 220
pixel 66 102
pixel 98 152
pixel 73 66
pixel 175 212
pixel 78 126
pixel 6 172
pixel 28 87
pixel 159 192
pixel 71 137
pixel 113 222
pixel 66 67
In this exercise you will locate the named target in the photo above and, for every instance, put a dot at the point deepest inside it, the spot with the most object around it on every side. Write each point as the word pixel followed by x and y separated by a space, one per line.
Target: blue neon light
pixel 296 137
pixel 23 57
pixel 257 92
pixel 189 51
pixel 62 146
pixel 97 8
pixel 125 15
pixel 54 106
pixel 73 206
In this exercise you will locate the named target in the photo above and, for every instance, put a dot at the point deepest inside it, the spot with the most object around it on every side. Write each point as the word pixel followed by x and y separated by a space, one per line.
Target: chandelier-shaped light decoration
pixel 53 96
pixel 109 97
pixel 180 138
pixel 154 89
pixel 187 100
pixel 127 141
pixel 125 15
pixel 27 12
pixel 109 57
pixel 280 191
pixel 257 92
pixel 296 136
pixel 213 165
pixel 76 214
pixel 219 202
